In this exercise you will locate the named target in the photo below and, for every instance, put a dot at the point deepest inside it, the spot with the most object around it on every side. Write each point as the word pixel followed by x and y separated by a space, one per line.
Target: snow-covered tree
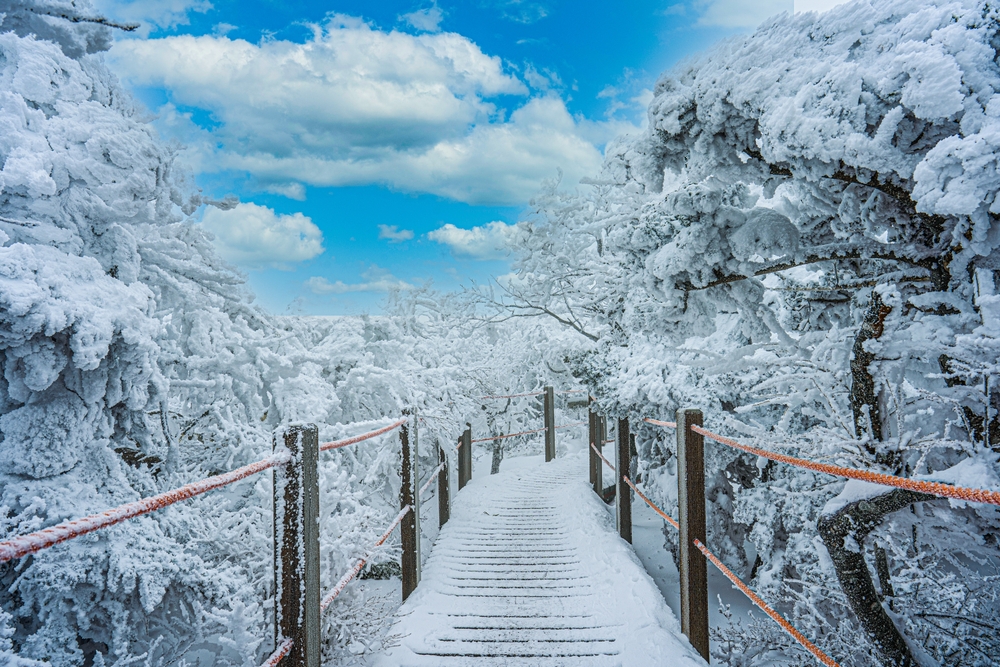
pixel 803 242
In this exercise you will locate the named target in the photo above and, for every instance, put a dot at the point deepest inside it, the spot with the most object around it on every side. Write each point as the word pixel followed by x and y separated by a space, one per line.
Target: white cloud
pixel 376 279
pixel 394 234
pixel 255 236
pixel 523 11
pixel 490 241
pixel 356 106
pixel 152 13
pixel 816 5
pixel 295 191
pixel 428 20
pixel 740 13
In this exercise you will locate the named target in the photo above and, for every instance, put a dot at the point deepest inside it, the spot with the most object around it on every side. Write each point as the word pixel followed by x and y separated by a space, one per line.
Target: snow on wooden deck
pixel 530 571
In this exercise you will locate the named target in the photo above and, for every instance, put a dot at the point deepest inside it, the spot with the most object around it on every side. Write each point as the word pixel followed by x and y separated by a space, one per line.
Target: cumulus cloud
pixel 355 106
pixel 428 20
pixel 376 279
pixel 151 14
pixel 394 234
pixel 740 13
pixel 255 236
pixel 490 241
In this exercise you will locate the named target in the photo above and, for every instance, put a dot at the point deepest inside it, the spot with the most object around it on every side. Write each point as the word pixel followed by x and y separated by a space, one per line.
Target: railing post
pixel 594 434
pixel 623 495
pixel 410 526
pixel 550 424
pixel 296 545
pixel 691 505
pixel 465 458
pixel 444 499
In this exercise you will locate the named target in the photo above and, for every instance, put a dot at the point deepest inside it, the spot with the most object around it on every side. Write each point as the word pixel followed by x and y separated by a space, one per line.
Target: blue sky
pixel 384 145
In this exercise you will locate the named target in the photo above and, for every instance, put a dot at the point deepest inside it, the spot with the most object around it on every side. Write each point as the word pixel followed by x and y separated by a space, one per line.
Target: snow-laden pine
pixel 803 242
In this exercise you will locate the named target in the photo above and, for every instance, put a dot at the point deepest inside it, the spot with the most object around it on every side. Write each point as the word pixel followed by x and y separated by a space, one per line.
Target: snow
pixel 854 490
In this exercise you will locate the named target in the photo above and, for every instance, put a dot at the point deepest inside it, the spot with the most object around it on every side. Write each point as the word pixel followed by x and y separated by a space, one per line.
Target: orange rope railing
pixel 430 479
pixel 534 393
pixel 23 545
pixel 509 435
pixel 764 607
pixel 279 653
pixel 359 438
pixel 921 486
pixel 607 462
pixel 666 517
pixel 353 572
pixel 756 599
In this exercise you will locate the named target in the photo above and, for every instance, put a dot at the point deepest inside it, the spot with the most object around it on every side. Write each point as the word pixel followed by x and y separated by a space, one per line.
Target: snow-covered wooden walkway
pixel 530 571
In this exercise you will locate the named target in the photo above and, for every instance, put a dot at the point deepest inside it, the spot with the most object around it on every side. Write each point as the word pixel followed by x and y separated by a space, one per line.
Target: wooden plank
pixel 594 434
pixel 691 504
pixel 296 545
pixel 410 526
pixel 550 423
pixel 623 495
pixel 444 491
pixel 465 458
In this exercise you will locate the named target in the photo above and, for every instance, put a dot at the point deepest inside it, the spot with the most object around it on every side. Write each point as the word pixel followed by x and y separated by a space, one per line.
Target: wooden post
pixel 410 527
pixel 550 424
pixel 691 504
pixel 623 495
pixel 296 545
pixel 444 499
pixel 465 458
pixel 594 434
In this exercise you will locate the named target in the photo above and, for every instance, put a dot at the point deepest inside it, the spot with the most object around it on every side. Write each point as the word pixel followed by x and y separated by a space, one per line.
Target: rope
pixel 607 462
pixel 933 488
pixel 607 442
pixel 279 653
pixel 666 517
pixel 23 545
pixel 788 627
pixel 353 572
pixel 430 479
pixel 511 435
pixel 571 424
pixel 534 393
pixel 358 438
pixel 657 422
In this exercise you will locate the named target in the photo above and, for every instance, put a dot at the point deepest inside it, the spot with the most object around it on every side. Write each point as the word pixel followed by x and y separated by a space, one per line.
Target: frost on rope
pixel 727 258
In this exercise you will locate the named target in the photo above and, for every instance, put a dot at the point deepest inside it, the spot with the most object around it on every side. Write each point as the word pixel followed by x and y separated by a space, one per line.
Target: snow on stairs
pixel 529 571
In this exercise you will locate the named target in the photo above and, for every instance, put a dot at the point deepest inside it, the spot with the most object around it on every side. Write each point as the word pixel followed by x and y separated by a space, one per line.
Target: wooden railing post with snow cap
pixel 594 433
pixel 444 495
pixel 691 507
pixel 550 423
pixel 296 545
pixel 623 495
pixel 410 526
pixel 465 457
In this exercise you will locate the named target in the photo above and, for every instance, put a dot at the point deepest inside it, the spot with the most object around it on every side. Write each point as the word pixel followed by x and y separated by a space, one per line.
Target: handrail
pixel 746 590
pixel 23 545
pixel 353 572
pixel 359 438
pixel 921 486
